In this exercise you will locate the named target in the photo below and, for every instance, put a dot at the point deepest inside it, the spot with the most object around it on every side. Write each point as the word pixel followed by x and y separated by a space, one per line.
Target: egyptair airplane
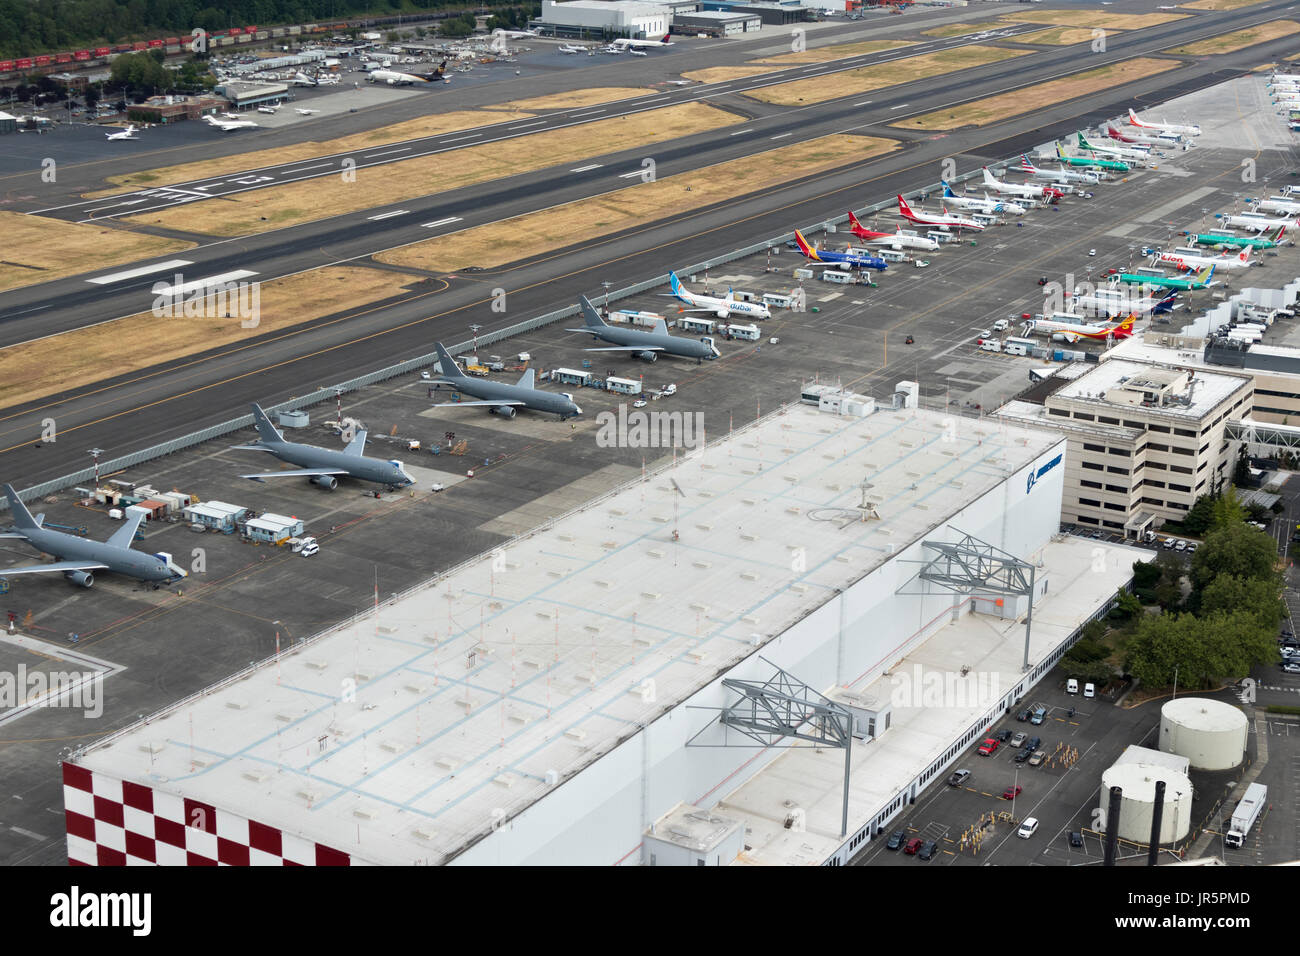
pixel 128 133
pixel 894 240
pixel 946 221
pixel 228 126
pixel 1192 130
pixel 985 206
pixel 1027 190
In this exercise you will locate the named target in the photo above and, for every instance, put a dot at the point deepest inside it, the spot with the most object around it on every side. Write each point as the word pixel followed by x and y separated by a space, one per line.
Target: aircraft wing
pixel 358 444
pixel 483 403
pixel 124 535
pixel 298 473
pixel 56 566
pixel 628 348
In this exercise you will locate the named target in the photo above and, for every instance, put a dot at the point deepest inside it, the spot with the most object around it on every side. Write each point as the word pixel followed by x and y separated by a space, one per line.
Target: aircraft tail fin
pixel 1205 275
pixel 589 313
pixel 804 246
pixel 661 326
pixel 123 536
pixel 988 177
pixel 446 363
pixel 1280 233
pixel 265 430
pixel 904 208
pixel 1245 255
pixel 528 379
pixel 854 223
pixel 23 519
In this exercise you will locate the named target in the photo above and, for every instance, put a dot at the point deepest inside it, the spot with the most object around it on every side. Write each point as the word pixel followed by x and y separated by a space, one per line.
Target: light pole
pixel 607 284
pixel 95 453
pixel 473 330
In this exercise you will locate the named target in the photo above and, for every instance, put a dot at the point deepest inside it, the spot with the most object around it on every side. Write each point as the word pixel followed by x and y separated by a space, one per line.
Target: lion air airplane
pixel 1163 127
pixel 894 240
pixel 1189 259
pixel 1071 332
pixel 1027 190
pixel 927 219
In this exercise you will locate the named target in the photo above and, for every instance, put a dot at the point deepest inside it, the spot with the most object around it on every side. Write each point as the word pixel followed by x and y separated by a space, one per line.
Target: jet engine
pixel 505 411
pixel 328 482
pixel 648 356
pixel 81 578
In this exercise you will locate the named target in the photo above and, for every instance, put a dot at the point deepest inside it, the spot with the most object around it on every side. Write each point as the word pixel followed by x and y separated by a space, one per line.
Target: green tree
pixel 1260 596
pixel 1199 515
pixel 1127 605
pixel 1236 549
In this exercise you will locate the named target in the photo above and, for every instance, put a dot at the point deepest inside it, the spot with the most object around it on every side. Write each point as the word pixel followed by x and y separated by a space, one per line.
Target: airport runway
pixel 171 400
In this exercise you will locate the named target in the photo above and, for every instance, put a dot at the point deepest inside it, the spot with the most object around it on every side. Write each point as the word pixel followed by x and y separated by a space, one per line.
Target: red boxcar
pixel 173 41
pixel 139 45
pixel 23 63
pixel 81 55
pixel 154 43
pixel 102 51
pixel 124 48
pixel 6 66
pixel 250 29
pixel 43 60
pixel 236 31
pixel 63 58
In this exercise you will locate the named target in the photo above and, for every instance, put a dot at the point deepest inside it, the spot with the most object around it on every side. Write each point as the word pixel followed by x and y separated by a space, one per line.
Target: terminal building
pixel 1145 440
pixel 759 653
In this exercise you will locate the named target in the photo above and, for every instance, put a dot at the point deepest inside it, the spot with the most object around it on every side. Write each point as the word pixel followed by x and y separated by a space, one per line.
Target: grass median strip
pixel 1239 39
pixel 37 249
pixel 590 219
pixel 242 162
pixel 1031 98
pixel 819 89
pixel 85 356
pixel 1061 36
pixel 836 51
pixel 295 203
pixel 721 74
pixel 1220 4
pixel 575 98
pixel 1093 19
pixel 961 29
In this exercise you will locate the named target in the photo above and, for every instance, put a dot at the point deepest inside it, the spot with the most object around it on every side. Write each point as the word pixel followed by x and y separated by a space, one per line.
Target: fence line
pixel 429 359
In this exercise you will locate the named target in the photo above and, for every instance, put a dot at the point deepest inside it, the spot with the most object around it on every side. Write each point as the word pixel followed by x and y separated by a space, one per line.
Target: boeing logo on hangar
pixel 1033 476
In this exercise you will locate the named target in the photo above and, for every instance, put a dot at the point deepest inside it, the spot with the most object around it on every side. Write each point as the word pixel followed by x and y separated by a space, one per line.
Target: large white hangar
pixel 602 690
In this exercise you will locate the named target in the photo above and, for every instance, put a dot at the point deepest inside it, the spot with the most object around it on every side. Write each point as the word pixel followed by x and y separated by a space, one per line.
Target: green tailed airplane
pixel 1110 165
pixel 1201 280
pixel 1219 241
pixel 1126 153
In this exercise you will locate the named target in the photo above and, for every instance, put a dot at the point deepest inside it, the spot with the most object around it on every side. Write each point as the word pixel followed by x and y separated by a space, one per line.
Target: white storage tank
pixel 1209 733
pixel 1138 781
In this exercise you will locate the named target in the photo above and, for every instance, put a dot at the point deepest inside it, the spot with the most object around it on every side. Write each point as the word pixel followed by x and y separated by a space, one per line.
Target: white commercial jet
pixel 985 206
pixel 1191 130
pixel 1026 191
pixel 625 44
pixel 1187 258
pixel 1254 222
pixel 722 308
pixel 228 126
pixel 128 133
pixel 306 112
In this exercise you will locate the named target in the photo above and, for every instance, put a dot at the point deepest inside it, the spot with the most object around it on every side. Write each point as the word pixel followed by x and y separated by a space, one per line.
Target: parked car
pixel 1004 735
pixel 1012 792
pixel 1033 744
pixel 988 747
pixel 958 778
pixel 1022 755
pixel 1076 838
pixel 1180 545
pixel 928 850
pixel 1028 828
pixel 896 839
pixel 1023 715
pixel 913 845
pixel 1038 757
pixel 1019 739
pixel 1039 715
pixel 1169 544
pixel 1290 667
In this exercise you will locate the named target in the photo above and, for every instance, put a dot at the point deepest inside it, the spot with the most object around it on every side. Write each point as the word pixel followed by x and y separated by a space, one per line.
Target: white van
pixel 1089 690
pixel 1016 349
pixel 991 345
pixel 1072 686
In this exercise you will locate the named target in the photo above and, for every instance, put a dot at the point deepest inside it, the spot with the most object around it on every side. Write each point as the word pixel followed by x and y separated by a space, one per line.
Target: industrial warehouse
pixel 552 700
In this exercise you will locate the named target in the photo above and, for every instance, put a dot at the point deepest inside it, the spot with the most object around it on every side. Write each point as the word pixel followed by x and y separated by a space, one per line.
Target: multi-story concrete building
pixel 1145 441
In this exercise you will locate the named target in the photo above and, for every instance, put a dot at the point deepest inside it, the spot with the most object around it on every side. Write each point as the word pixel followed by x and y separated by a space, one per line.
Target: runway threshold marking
pixel 142 271
pixel 387 215
pixel 440 222
pixel 204 283
pixel 583 169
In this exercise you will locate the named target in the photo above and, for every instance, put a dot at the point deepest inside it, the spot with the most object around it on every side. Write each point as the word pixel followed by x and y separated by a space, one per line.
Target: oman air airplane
pixel 1189 258
pixel 1027 190
pixel 985 206
pixel 1163 127
pixel 1137 155
pixel 1202 280
pixel 1064 331
pixel 1057 175
pixel 1224 241
pixel 894 240
pixel 722 308
pixel 923 218
pixel 842 260
pixel 1254 222
pixel 1109 165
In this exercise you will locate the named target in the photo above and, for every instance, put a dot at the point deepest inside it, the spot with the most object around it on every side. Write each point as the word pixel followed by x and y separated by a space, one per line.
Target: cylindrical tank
pixel 1138 781
pixel 1209 733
